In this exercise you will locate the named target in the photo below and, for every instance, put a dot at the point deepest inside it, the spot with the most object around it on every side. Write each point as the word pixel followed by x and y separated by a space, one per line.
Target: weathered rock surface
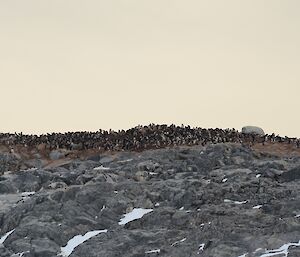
pixel 218 200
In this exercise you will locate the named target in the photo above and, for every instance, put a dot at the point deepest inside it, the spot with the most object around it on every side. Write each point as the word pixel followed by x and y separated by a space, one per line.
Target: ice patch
pixel 281 250
pixel 257 207
pixel 136 213
pixel 2 239
pixel 101 168
pixel 153 251
pixel 77 240
pixel 178 242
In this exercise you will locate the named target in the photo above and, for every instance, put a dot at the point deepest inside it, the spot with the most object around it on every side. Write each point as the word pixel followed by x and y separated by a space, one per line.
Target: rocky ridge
pixel 214 200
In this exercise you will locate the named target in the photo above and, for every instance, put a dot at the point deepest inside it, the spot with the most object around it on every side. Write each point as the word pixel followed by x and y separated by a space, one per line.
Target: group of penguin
pixel 140 138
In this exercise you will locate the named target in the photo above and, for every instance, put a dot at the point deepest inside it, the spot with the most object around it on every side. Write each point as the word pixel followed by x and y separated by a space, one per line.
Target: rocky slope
pixel 217 200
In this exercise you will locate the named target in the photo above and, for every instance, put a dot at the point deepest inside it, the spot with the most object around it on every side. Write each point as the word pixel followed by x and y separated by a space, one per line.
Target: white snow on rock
pixel 178 242
pixel 25 194
pixel 3 238
pixel 224 180
pixel 135 214
pixel 153 251
pixel 257 207
pixel 20 254
pixel 123 161
pixel 30 169
pixel 297 216
pixel 201 248
pixel 101 168
pixel 77 240
pixel 235 202
pixel 283 250
pixel 258 175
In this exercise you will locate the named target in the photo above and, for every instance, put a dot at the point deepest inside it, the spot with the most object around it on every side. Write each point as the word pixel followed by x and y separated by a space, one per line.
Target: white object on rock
pixel 153 251
pixel 134 215
pixel 2 239
pixel 77 240
pixel 253 130
pixel 257 207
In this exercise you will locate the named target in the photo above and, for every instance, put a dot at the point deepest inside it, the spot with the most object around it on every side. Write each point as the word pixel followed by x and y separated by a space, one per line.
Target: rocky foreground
pixel 214 200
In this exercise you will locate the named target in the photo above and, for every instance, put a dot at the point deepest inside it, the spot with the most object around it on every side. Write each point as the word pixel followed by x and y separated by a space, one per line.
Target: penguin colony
pixel 140 138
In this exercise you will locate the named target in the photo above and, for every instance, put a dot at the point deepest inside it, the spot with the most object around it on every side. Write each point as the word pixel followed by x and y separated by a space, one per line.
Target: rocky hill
pixel 215 200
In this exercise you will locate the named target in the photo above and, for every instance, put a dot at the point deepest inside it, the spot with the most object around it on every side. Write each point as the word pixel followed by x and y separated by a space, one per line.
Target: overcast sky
pixel 84 65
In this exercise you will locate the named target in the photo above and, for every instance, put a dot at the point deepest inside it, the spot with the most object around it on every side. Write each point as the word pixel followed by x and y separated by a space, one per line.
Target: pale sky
pixel 69 65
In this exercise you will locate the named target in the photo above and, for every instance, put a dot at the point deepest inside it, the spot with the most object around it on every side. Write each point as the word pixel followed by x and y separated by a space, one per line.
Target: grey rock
pixel 148 166
pixel 56 185
pixel 56 154
pixel 185 188
pixel 291 175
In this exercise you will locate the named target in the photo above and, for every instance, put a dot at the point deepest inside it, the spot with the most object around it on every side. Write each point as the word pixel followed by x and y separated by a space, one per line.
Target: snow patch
pixel 135 214
pixel 30 169
pixel 258 175
pixel 153 251
pixel 20 254
pixel 123 161
pixel 101 168
pixel 281 250
pixel 235 202
pixel 201 248
pixel 26 194
pixel 224 180
pixel 178 242
pixel 243 255
pixel 3 238
pixel 77 240
pixel 257 207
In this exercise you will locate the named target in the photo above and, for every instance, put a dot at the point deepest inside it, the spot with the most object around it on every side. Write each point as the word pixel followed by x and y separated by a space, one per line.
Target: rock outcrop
pixel 222 200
